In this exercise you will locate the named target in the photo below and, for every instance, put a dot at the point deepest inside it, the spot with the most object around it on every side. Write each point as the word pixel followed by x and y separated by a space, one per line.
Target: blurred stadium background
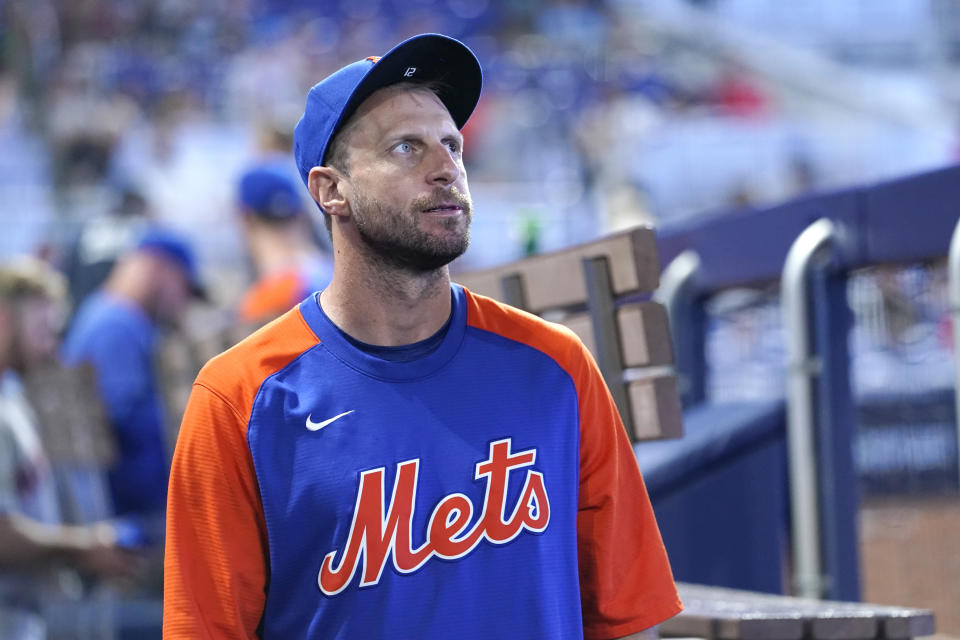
pixel 596 116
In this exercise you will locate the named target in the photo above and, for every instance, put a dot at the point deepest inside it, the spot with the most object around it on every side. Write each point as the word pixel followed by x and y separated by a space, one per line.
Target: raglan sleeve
pixel 626 584
pixel 215 565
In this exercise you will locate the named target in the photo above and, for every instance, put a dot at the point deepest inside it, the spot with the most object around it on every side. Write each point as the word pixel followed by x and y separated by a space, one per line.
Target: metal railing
pixel 953 266
pixel 802 368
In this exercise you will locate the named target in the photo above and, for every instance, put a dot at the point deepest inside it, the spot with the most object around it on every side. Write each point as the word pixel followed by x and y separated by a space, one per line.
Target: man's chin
pixel 419 260
pixel 426 262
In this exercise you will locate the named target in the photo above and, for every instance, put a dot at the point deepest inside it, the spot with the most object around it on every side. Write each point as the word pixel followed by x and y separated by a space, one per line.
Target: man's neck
pixel 387 307
pixel 130 282
pixel 278 248
pixel 120 290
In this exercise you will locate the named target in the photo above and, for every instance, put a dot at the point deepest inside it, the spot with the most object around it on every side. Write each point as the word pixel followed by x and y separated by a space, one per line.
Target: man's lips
pixel 444 209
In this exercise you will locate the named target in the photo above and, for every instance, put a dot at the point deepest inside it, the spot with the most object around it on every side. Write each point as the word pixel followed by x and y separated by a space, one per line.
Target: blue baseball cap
pixel 175 247
pixel 427 57
pixel 267 191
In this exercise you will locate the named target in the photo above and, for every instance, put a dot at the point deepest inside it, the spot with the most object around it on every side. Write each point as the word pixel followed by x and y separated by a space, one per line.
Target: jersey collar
pixel 339 347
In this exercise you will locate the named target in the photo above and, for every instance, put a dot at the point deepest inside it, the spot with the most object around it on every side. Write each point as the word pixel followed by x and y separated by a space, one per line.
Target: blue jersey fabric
pixel 118 339
pixel 402 353
pixel 440 418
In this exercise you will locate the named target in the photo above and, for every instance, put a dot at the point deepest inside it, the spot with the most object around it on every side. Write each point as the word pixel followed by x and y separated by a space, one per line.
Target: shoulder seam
pixel 306 324
pixel 222 397
pixel 571 346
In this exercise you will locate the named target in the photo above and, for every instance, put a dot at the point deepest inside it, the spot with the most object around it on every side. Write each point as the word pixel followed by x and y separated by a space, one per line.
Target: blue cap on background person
pixel 268 191
pixel 175 247
pixel 429 57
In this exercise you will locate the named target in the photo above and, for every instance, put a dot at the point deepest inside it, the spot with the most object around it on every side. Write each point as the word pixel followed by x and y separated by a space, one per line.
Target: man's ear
pixel 325 185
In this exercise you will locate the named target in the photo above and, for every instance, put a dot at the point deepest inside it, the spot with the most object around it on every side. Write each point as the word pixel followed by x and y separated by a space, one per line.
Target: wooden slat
pixel 907 625
pixel 486 283
pixel 555 280
pixel 758 627
pixel 71 420
pixel 654 399
pixel 655 405
pixel 644 334
pixel 688 623
pixel 178 362
pixel 730 614
pixel 841 626
pixel 582 325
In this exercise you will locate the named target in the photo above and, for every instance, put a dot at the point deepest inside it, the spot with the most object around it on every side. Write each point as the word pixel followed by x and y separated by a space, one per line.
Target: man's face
pixel 407 188
pixel 36 322
pixel 171 293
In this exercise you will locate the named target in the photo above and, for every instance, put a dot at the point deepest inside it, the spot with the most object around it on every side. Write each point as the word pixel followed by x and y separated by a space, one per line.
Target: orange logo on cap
pixel 373 59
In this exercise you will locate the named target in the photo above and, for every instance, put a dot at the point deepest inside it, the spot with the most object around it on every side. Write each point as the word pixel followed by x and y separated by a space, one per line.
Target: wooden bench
pixel 727 614
pixel 598 290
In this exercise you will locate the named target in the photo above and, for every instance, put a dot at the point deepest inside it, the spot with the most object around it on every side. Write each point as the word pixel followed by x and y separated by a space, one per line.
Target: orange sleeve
pixel 215 564
pixel 217 552
pixel 626 584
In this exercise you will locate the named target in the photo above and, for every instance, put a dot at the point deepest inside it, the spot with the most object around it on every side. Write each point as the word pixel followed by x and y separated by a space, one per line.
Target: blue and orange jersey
pixel 484 490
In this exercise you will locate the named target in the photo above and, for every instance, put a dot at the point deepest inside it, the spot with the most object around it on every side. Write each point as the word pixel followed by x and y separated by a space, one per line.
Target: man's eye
pixel 454 147
pixel 404 147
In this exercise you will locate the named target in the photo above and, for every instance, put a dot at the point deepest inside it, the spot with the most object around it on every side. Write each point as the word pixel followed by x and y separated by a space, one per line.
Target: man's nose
pixel 444 166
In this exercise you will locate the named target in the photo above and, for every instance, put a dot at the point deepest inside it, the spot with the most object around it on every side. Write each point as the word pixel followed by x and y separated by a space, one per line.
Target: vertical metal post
pixel 953 265
pixel 835 428
pixel 801 370
pixel 513 291
pixel 606 333
pixel 676 277
pixel 677 292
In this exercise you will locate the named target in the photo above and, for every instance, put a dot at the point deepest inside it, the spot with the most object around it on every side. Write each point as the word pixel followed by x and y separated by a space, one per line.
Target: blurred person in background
pixel 289 264
pixel 101 240
pixel 33 539
pixel 116 330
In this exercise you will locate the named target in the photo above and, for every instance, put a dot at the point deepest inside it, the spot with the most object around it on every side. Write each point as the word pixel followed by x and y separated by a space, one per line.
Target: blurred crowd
pixel 155 107
pixel 595 116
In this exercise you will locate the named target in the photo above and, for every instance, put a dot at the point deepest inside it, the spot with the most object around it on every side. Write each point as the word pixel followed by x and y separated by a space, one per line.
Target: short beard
pixel 394 239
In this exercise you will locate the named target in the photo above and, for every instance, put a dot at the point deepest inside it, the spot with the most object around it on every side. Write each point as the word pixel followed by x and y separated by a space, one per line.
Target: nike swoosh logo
pixel 316 426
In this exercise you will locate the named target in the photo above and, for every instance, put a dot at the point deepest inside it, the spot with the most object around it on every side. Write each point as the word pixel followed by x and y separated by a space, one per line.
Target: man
pixel 116 330
pixel 397 457
pixel 32 536
pixel 279 235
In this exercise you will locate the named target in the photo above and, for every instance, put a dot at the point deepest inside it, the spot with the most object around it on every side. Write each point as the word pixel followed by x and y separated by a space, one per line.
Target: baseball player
pixel 288 263
pixel 398 457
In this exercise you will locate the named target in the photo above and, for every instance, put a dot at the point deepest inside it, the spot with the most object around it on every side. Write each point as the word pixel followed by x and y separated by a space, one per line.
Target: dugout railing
pixel 811 245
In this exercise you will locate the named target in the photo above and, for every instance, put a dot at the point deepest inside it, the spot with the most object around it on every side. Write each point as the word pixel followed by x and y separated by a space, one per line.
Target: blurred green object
pixel 531 230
